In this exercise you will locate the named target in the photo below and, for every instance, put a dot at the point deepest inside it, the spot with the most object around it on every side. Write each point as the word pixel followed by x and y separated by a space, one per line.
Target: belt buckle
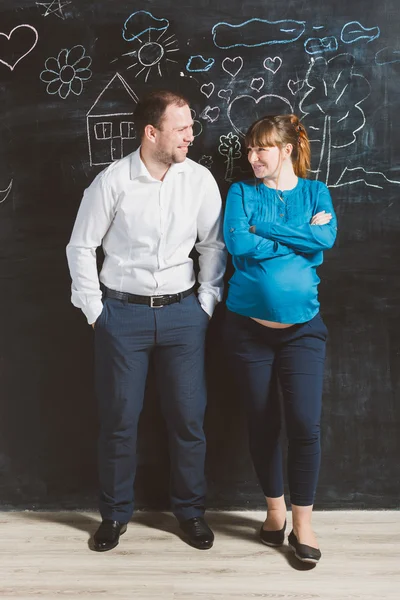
pixel 155 298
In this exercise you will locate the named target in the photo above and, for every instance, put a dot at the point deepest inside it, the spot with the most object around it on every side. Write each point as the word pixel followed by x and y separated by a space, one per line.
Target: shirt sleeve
pixel 210 246
pixel 305 238
pixel 94 218
pixel 239 241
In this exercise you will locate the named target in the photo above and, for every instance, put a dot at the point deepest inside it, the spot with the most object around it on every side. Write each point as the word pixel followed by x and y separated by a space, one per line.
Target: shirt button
pixel 281 215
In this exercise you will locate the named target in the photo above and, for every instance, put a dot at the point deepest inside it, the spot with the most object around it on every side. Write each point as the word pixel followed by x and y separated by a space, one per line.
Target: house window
pixel 102 131
pixel 127 129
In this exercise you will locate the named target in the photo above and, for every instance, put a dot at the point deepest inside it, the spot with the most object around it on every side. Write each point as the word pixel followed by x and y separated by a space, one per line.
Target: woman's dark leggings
pixel 298 354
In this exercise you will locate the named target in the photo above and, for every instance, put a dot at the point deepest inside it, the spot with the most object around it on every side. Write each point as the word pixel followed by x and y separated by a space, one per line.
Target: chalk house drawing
pixel 5 193
pixel 67 72
pixel 54 8
pixel 111 133
pixel 28 41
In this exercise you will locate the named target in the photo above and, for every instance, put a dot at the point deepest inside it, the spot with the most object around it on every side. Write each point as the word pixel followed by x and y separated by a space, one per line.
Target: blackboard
pixel 71 72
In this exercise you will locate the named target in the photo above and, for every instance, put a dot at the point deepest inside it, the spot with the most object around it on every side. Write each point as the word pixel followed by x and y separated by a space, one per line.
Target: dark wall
pixel 337 64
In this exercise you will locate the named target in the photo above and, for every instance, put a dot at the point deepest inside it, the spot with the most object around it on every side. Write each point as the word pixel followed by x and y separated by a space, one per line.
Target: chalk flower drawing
pixel 67 72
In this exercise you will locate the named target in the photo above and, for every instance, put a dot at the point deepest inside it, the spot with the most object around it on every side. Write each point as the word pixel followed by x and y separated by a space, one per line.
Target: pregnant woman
pixel 277 226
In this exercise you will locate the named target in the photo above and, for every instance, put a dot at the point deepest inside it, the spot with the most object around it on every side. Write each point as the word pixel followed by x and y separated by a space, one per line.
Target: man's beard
pixel 168 158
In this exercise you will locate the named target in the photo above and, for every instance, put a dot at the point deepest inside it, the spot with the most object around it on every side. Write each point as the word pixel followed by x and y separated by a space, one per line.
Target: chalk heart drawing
pixel 244 110
pixel 295 86
pixel 272 64
pixel 8 36
pixel 233 66
pixel 207 89
pixel 210 114
pixel 225 95
pixel 257 84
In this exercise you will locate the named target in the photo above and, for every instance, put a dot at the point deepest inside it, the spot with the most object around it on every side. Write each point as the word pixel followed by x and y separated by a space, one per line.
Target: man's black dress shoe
pixel 198 533
pixel 107 535
pixel 303 552
pixel 273 538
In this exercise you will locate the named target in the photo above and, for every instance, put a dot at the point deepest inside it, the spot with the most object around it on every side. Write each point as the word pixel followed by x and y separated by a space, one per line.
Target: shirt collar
pixel 138 168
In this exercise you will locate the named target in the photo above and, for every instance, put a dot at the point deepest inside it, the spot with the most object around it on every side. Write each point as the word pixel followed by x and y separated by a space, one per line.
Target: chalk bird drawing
pixel 24 36
pixel 67 72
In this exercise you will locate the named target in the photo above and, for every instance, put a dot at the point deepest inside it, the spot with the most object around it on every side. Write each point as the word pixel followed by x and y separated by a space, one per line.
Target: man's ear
pixel 150 133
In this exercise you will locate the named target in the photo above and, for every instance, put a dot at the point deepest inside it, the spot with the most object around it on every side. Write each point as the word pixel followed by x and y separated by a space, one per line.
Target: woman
pixel 276 228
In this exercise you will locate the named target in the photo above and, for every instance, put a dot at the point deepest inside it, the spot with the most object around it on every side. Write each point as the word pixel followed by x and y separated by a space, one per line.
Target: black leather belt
pixel 152 301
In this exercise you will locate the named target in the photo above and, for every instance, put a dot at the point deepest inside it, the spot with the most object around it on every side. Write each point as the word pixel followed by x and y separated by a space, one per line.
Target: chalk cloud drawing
pixel 320 45
pixel 210 114
pixel 331 102
pixel 225 95
pixel 354 31
pixel 67 72
pixel 206 161
pixel 22 35
pixel 245 109
pixel 141 22
pixel 5 193
pixel 229 146
pixel 207 89
pixel 387 56
pixel 198 64
pixel 272 64
pixel 54 8
pixel 257 32
pixel 153 54
pixel 257 83
pixel 232 66
pixel 109 123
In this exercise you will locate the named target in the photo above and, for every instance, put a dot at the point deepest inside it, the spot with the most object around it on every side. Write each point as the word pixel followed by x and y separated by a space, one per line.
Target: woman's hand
pixel 321 218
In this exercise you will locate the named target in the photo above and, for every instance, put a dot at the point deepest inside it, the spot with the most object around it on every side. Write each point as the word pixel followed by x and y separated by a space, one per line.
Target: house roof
pixel 117 98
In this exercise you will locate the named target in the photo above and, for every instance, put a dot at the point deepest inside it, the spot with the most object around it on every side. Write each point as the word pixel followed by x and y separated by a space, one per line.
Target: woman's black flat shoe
pixel 273 538
pixel 305 553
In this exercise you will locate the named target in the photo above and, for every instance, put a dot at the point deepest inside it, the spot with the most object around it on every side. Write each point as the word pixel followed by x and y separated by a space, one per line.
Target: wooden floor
pixel 48 555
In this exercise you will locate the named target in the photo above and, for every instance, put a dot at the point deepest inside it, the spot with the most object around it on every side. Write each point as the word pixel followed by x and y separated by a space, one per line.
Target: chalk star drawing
pixel 5 192
pixel 54 8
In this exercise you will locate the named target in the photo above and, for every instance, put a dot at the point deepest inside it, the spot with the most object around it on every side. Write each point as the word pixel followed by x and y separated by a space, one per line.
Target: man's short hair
pixel 151 109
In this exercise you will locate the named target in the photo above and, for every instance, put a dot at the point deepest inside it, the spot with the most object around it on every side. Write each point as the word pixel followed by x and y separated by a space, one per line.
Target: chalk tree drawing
pixel 257 32
pixel 54 8
pixel 229 146
pixel 67 72
pixel 22 35
pixel 111 132
pixel 153 54
pixel 331 103
pixel 272 64
pixel 5 193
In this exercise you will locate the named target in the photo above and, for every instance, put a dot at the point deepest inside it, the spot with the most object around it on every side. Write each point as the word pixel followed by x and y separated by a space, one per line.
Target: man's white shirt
pixel 147 229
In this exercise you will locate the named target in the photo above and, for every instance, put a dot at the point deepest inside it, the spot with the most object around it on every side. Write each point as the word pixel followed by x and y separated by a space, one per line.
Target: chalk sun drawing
pixel 24 28
pixel 67 72
pixel 153 54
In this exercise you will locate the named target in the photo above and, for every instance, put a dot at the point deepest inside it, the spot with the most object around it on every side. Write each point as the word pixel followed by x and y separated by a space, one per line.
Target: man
pixel 148 210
